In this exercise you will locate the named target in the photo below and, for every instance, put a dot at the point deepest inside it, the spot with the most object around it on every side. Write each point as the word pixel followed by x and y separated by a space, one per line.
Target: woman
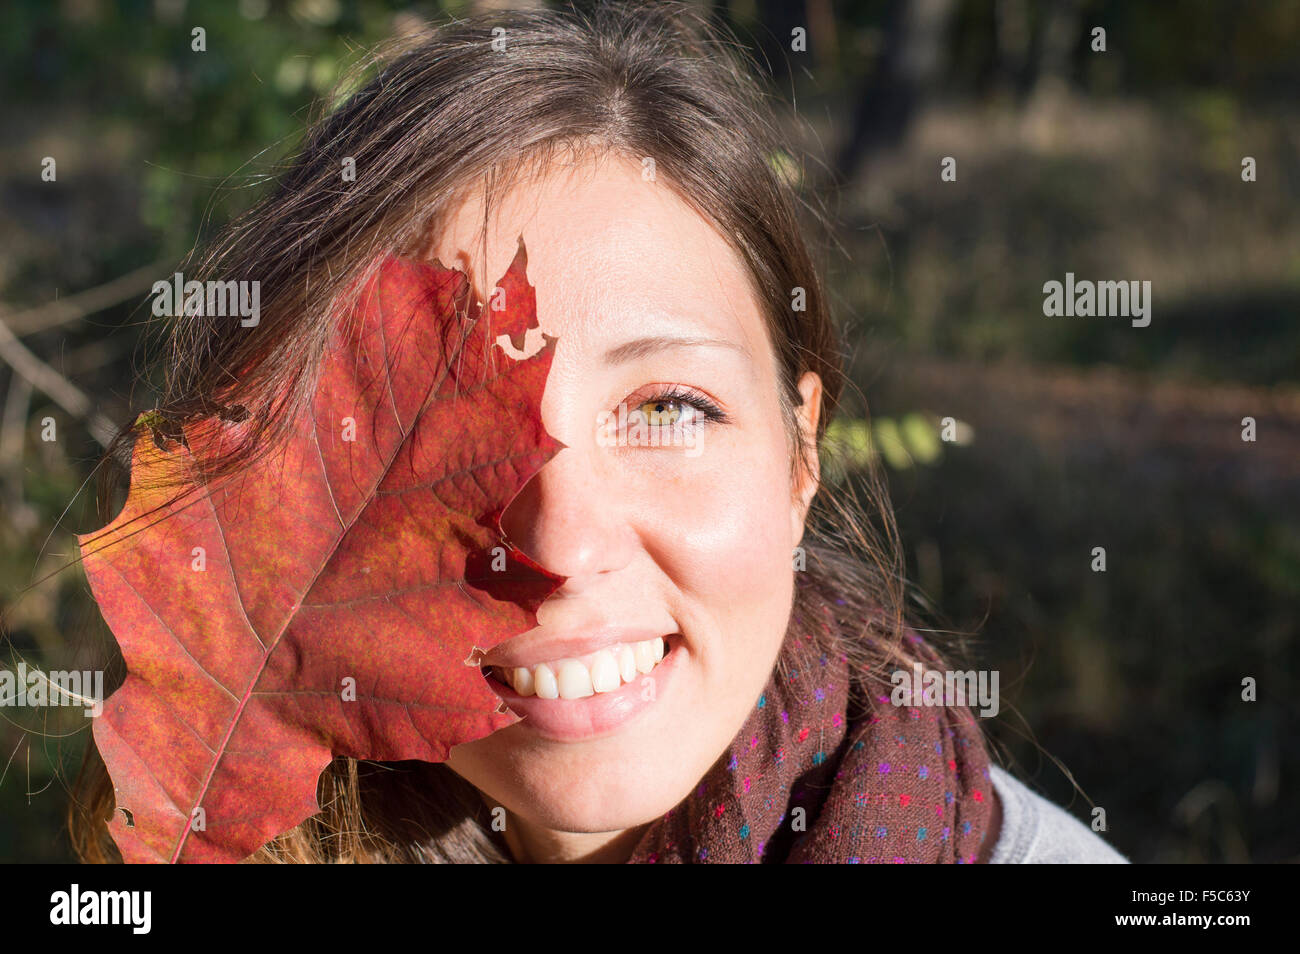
pixel 691 692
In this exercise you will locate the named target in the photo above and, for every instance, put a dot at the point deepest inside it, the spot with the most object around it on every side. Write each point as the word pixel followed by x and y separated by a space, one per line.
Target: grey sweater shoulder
pixel 1036 832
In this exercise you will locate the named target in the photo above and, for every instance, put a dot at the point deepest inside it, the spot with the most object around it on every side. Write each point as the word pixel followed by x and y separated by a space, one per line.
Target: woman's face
pixel 691 541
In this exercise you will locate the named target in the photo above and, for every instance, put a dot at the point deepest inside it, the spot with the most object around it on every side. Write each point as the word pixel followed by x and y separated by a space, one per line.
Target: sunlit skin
pixel 647 536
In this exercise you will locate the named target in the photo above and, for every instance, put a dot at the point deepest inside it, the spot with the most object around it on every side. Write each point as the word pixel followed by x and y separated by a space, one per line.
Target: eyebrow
pixel 641 347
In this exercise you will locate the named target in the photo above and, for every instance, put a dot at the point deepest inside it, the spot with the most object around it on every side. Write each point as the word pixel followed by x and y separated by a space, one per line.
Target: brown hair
pixel 447 112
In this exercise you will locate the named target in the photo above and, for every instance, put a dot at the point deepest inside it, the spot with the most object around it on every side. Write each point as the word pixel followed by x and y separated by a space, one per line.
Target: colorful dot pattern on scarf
pixel 800 784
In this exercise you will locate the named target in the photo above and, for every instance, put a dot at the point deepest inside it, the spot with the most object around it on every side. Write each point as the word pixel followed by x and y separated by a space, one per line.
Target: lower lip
pixel 575 720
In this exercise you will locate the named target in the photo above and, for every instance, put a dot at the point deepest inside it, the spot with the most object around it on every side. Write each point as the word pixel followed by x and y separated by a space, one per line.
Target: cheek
pixel 719 525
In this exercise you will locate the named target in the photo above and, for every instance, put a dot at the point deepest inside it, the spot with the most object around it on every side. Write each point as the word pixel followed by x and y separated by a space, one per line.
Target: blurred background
pixel 1069 433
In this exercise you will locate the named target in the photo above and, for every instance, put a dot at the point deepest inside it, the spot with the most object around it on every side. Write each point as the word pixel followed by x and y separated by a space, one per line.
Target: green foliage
pixel 854 443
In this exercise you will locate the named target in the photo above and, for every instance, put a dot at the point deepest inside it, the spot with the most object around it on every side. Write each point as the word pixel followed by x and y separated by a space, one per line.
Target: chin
pixel 580 788
pixel 568 814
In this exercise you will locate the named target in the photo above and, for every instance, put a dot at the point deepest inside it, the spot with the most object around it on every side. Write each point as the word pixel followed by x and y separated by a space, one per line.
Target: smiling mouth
pixel 606 670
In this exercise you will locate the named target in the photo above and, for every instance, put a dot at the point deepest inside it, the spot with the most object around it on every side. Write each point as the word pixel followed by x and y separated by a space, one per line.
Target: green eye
pixel 674 406
pixel 662 413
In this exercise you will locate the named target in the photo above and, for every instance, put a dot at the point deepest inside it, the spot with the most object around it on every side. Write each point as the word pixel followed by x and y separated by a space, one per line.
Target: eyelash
pixel 680 394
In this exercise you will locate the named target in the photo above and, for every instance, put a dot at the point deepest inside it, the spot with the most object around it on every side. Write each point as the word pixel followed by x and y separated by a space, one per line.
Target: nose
pixel 568 519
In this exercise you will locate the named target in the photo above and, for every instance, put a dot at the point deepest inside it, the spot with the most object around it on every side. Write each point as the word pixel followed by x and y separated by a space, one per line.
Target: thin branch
pixel 75 307
pixel 54 385
pixel 12 449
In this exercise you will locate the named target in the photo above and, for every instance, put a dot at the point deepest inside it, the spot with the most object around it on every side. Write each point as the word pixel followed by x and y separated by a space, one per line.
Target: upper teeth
pixel 577 678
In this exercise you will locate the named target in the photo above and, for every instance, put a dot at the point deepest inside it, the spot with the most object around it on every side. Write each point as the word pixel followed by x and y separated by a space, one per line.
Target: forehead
pixel 613 257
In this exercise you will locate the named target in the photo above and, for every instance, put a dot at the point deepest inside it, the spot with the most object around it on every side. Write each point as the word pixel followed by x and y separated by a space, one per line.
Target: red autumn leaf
pixel 363 549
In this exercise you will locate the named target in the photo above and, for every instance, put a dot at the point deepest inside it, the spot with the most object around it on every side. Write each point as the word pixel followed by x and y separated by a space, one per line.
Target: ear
pixel 806 480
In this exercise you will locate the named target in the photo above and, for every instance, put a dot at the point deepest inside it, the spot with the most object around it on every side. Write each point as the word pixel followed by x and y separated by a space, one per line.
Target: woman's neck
pixel 533 844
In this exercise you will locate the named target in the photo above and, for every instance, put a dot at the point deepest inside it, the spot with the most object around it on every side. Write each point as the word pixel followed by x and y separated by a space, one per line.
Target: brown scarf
pixel 800 785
